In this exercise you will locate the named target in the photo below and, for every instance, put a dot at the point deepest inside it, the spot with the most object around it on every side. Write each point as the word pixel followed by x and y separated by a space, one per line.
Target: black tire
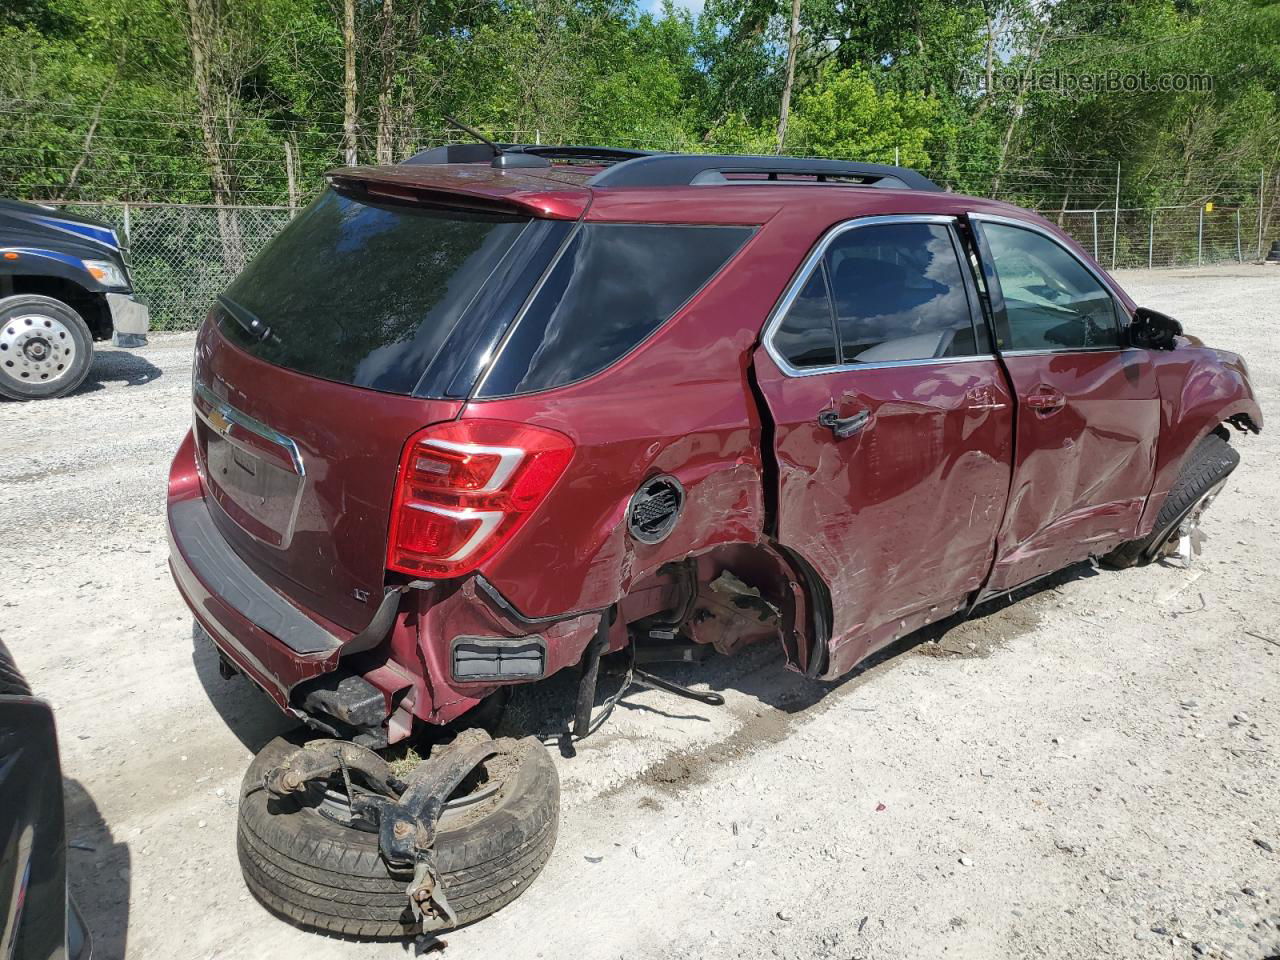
pixel 23 374
pixel 12 683
pixel 1209 464
pixel 321 875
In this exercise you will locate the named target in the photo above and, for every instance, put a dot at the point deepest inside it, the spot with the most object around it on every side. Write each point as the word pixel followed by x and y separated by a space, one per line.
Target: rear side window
pixel 363 293
pixel 807 334
pixel 613 286
pixel 899 294
pixel 882 293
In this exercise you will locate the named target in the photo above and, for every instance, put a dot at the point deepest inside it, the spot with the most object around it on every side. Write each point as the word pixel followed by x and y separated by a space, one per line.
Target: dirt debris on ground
pixel 1092 770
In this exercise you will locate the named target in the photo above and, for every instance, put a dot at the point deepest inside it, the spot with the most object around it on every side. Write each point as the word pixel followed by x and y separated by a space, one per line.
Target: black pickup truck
pixel 64 283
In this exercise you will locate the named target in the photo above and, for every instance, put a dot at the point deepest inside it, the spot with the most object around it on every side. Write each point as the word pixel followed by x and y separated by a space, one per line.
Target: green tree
pixel 842 114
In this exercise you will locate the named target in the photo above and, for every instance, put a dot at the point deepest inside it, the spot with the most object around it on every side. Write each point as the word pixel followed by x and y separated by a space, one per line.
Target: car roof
pixel 565 191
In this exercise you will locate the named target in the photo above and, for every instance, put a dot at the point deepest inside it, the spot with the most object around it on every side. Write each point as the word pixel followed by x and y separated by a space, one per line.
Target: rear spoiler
pixel 472 190
pixel 542 156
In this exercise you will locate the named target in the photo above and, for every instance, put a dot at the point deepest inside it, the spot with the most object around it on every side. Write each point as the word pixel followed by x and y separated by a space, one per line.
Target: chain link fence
pixel 183 255
pixel 1167 236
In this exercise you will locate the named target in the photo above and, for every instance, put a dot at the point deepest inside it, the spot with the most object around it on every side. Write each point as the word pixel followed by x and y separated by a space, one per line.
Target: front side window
pixel 1051 301
pixel 882 293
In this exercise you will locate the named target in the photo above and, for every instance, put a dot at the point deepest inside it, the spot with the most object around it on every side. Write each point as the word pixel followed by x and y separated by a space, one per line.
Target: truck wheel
pixel 45 348
pixel 1201 480
pixel 314 871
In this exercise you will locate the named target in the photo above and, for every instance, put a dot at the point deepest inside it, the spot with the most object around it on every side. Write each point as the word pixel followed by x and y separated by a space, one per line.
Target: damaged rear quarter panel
pixel 422 641
pixel 679 404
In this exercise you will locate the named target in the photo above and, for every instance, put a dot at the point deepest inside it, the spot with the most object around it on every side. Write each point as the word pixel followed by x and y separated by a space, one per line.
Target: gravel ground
pixel 1090 771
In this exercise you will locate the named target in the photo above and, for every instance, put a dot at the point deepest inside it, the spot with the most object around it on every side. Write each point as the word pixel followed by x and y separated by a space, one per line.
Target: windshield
pixel 363 293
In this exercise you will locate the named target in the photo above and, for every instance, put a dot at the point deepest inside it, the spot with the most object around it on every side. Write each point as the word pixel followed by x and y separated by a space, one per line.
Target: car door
pixel 1088 413
pixel 892 426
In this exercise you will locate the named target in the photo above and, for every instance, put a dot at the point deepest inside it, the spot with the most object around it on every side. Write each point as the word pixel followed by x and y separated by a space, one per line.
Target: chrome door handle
pixel 1046 402
pixel 844 427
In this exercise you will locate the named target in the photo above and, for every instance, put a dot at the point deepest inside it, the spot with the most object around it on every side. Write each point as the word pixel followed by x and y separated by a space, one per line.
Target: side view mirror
pixel 1154 330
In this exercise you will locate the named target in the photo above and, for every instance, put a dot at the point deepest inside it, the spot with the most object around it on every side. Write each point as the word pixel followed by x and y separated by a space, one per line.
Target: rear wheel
pixel 45 348
pixel 1177 530
pixel 303 861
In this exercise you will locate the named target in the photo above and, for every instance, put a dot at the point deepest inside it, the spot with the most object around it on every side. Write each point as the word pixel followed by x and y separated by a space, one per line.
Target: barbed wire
pixel 183 254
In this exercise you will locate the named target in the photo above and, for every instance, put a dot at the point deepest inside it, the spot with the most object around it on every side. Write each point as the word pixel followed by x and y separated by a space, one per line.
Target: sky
pixel 655 6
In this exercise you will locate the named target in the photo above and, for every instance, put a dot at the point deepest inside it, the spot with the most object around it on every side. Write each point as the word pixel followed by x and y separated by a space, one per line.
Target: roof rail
pixel 483 153
pixel 590 154
pixel 688 169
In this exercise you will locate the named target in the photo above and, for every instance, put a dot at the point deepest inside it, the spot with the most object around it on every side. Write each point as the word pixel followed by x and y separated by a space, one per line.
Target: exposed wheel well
pixel 736 594
pixel 91 306
pixel 1241 421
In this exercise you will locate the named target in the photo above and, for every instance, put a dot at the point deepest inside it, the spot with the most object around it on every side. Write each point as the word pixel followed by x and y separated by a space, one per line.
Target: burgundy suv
pixel 473 419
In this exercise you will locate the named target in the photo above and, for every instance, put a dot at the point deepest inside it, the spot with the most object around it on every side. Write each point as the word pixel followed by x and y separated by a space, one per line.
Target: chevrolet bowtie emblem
pixel 218 421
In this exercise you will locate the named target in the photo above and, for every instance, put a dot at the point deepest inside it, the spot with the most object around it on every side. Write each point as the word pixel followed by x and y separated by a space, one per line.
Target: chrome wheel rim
pixel 36 349
pixel 1187 539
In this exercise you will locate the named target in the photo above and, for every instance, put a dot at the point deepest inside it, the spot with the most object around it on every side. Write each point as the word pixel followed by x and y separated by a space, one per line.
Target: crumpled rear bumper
pixel 130 320
pixel 259 654
pixel 271 641
pixel 443 654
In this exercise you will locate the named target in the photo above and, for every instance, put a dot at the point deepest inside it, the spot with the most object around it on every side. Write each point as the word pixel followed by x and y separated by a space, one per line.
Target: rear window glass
pixel 883 293
pixel 614 285
pixel 362 293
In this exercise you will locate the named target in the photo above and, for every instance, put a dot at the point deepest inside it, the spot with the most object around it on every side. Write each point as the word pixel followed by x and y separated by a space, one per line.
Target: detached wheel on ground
pixel 1177 529
pixel 45 348
pixel 303 861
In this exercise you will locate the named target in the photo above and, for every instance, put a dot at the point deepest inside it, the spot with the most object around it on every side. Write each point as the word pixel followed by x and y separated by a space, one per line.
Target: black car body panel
pixel 37 919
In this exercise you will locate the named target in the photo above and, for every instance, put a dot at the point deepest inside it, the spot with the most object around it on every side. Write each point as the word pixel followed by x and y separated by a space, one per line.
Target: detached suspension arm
pixel 406 812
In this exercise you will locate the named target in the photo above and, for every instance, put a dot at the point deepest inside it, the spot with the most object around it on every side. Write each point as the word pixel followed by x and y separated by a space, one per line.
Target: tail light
pixel 464 488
